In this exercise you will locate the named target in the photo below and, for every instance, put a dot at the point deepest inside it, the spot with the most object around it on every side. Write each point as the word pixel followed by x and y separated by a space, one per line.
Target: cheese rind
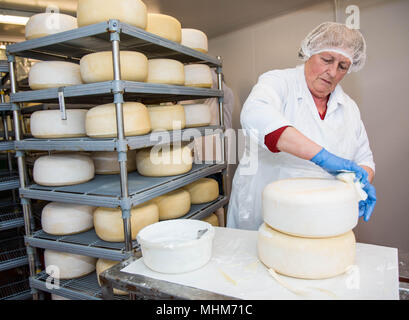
pixel 203 190
pixel 97 67
pixel 67 265
pixel 102 265
pixel 197 115
pixel 164 161
pixel 167 117
pixel 106 162
pixel 305 258
pixel 212 219
pixel 47 23
pixel 101 120
pixel 109 224
pixel 48 124
pixel 63 169
pixel 64 218
pixel 133 12
pixel 198 75
pixel 164 26
pixel 310 207
pixel 166 71
pixel 195 39
pixel 54 74
pixel 173 205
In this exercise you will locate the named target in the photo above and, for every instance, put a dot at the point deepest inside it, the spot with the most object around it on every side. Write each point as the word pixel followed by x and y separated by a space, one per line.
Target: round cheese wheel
pixel 167 117
pixel 203 190
pixel 109 225
pixel 44 24
pixel 195 39
pixel 63 169
pixel 310 207
pixel 53 74
pixel 96 67
pixel 132 12
pixel 106 162
pixel 102 265
pixel 305 258
pixel 101 120
pixel 212 219
pixel 164 162
pixel 198 75
pixel 64 218
pixel 197 115
pixel 164 26
pixel 166 71
pixel 173 205
pixel 48 124
pixel 68 265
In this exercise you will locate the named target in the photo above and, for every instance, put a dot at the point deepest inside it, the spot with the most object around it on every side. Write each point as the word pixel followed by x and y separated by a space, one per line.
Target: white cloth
pixel 281 98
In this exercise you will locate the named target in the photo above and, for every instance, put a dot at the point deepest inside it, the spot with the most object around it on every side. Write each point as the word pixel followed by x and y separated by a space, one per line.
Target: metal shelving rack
pixel 123 190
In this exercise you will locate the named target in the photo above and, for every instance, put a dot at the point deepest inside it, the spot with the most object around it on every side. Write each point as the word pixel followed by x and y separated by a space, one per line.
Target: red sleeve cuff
pixel 271 139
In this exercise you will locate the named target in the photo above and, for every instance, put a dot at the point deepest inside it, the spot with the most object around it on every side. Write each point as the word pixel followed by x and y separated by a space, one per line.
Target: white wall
pixel 379 89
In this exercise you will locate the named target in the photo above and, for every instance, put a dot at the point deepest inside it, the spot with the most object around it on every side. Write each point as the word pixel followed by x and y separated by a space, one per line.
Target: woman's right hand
pixel 335 165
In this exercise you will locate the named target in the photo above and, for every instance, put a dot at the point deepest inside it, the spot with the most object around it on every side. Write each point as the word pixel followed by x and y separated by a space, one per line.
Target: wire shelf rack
pixel 12 253
pixel 11 217
pixel 19 290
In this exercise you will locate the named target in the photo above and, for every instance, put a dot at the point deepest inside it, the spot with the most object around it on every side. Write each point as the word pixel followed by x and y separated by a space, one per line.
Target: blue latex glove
pixel 366 207
pixel 335 165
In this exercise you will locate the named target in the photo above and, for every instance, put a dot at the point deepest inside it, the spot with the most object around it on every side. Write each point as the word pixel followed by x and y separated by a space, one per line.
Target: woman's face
pixel 323 71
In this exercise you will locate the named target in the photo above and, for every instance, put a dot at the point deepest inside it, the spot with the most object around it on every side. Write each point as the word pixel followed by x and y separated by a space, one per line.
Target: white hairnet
pixel 335 37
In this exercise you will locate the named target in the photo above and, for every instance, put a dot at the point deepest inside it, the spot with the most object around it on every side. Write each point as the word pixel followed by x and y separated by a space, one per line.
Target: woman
pixel 304 124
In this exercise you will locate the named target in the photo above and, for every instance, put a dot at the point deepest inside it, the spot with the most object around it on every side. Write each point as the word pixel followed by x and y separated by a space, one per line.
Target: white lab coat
pixel 280 98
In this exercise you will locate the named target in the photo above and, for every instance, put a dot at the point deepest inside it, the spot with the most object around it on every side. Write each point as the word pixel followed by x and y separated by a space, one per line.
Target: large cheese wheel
pixel 96 67
pixel 132 12
pixel 101 120
pixel 198 75
pixel 109 224
pixel 212 219
pixel 53 74
pixel 167 117
pixel 44 24
pixel 48 124
pixel 102 265
pixel 68 265
pixel 164 162
pixel 203 190
pixel 164 26
pixel 166 71
pixel 305 258
pixel 173 205
pixel 195 39
pixel 56 297
pixel 63 169
pixel 106 162
pixel 197 115
pixel 64 218
pixel 310 207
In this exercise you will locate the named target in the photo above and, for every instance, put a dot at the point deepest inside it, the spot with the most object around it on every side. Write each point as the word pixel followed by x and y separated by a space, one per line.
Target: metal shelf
pixel 16 291
pixel 89 244
pixel 4 66
pixel 11 217
pixel 13 254
pixel 73 44
pixel 101 93
pixel 6 145
pixel 9 181
pixel 6 106
pixel 111 144
pixel 84 288
pixel 105 190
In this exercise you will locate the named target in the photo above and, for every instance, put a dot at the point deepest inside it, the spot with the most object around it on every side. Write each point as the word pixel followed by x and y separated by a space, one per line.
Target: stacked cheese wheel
pixel 307 230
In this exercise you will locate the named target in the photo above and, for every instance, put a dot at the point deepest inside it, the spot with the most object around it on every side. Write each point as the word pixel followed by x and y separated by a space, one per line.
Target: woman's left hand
pixel 366 207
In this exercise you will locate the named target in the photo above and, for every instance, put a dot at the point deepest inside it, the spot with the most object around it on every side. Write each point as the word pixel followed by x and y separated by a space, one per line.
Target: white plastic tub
pixel 172 246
